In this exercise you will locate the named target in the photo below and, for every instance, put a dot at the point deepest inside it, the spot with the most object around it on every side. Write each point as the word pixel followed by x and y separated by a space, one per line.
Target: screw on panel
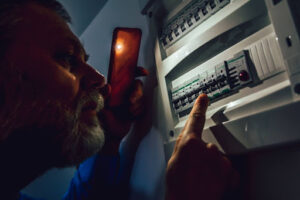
pixel 276 2
pixel 289 41
pixel 297 88
pixel 172 133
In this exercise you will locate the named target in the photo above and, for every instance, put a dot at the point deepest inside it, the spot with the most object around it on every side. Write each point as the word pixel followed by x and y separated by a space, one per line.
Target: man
pixel 53 115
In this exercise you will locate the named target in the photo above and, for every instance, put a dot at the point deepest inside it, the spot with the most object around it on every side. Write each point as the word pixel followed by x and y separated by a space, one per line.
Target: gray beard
pixel 84 138
pixel 75 139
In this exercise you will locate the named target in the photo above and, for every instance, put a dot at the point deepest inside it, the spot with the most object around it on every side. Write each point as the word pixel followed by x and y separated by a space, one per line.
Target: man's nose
pixel 92 79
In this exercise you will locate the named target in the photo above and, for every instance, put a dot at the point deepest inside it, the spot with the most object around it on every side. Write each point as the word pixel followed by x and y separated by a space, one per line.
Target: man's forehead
pixel 42 21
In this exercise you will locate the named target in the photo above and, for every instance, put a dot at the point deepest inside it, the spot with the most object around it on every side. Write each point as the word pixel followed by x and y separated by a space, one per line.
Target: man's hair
pixel 10 15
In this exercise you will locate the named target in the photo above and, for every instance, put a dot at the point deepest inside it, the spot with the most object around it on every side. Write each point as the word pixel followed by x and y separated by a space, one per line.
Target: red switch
pixel 244 76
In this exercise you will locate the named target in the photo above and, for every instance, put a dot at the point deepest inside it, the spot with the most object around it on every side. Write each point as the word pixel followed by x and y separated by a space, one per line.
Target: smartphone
pixel 123 61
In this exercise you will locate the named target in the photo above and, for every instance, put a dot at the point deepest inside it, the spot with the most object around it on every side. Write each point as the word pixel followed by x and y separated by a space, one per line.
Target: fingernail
pixel 145 72
pixel 211 146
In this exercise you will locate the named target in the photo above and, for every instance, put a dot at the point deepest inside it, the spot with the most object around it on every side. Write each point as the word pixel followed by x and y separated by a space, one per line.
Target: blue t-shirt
pixel 99 177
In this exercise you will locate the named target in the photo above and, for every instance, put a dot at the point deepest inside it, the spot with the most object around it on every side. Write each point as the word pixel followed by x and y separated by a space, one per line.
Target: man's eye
pixel 67 60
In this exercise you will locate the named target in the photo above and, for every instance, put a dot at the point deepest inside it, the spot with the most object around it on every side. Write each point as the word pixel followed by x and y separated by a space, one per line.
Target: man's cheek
pixel 47 77
pixel 64 85
pixel 55 82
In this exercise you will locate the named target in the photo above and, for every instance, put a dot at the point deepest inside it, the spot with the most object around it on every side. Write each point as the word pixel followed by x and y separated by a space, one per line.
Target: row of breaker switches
pixel 199 11
pixel 217 82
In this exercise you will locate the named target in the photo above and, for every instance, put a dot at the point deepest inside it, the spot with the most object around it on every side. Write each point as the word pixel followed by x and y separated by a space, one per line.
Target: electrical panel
pixel 217 82
pixel 191 16
pixel 244 54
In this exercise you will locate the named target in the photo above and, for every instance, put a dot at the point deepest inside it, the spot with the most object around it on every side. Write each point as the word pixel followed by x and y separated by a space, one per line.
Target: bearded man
pixel 53 114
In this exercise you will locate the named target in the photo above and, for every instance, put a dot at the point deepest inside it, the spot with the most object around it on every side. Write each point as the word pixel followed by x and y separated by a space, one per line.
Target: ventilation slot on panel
pixel 266 57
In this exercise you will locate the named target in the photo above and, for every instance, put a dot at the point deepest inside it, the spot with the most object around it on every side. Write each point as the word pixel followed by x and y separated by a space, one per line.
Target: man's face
pixel 49 84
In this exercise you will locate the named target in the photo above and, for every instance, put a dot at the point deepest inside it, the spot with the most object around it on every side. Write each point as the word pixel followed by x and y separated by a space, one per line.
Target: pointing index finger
pixel 196 120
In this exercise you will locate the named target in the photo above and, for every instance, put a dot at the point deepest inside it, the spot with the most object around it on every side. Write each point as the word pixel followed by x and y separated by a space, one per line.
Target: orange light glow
pixel 119 46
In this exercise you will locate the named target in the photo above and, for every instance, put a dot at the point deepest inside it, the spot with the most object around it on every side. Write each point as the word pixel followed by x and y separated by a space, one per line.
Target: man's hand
pixel 197 170
pixel 117 121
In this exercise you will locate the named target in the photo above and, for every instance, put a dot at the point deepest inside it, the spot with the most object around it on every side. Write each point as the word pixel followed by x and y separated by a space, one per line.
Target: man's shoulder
pixel 26 197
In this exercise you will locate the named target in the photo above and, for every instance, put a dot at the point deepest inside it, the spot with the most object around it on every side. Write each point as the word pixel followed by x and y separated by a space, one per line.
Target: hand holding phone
pixel 123 62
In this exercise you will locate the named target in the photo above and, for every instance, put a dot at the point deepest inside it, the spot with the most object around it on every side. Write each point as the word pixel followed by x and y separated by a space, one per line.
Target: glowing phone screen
pixel 123 61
